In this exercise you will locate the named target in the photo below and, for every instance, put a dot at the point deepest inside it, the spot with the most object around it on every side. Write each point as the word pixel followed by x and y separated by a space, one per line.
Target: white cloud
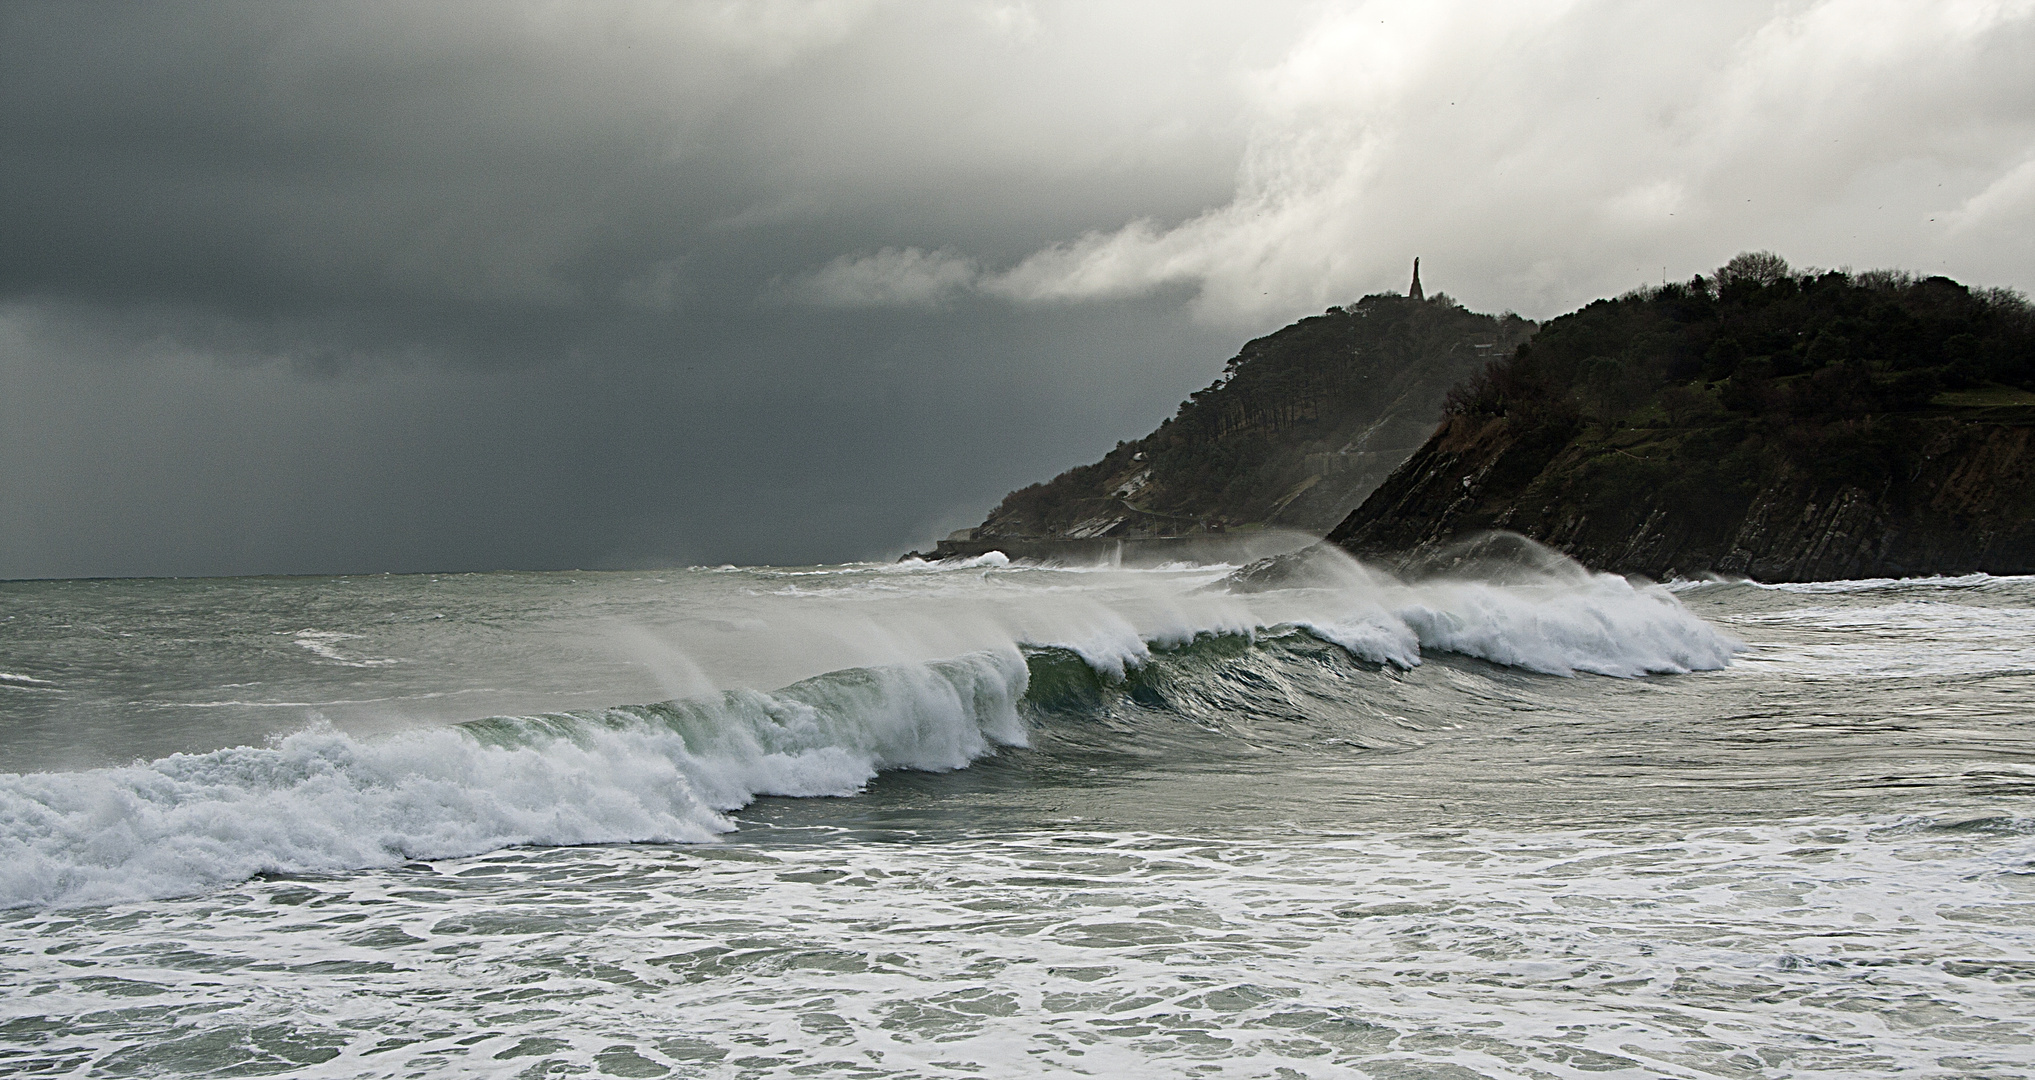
pixel 890 277
pixel 450 219
pixel 1016 21
pixel 2006 203
pixel 1539 154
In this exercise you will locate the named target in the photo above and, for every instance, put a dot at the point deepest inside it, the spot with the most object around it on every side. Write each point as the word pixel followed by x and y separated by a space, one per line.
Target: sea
pixel 981 818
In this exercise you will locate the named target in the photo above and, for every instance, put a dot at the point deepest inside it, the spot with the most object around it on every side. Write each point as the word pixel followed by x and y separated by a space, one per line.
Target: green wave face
pixel 1218 695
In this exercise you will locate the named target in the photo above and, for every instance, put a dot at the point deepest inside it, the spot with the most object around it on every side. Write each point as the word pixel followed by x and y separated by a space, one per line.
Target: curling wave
pixel 321 801
pixel 1604 625
pixel 1511 601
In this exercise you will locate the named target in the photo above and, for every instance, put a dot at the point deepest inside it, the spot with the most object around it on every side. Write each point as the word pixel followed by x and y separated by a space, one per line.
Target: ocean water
pixel 994 820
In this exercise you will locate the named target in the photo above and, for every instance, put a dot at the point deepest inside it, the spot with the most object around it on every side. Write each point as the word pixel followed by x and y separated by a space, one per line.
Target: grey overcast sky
pixel 398 286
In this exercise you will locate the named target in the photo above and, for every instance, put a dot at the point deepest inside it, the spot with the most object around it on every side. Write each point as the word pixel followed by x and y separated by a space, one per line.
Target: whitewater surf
pixel 991 818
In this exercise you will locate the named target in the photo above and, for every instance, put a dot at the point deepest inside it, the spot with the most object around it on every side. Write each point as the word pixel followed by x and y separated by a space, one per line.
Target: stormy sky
pixel 346 287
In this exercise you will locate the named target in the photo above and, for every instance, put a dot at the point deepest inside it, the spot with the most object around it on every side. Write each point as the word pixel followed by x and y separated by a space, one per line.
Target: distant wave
pixel 1977 579
pixel 324 644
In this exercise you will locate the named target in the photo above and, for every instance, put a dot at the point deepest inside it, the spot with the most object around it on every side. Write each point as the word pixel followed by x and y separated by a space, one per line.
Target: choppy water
pixel 1101 822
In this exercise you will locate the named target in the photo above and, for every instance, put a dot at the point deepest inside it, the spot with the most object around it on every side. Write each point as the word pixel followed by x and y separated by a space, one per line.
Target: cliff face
pixel 1300 427
pixel 1781 426
pixel 1723 499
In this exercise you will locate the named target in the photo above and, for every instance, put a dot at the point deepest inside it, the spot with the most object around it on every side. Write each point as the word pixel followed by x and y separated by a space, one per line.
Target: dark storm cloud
pixel 397 286
pixel 382 286
pixel 177 462
pixel 537 159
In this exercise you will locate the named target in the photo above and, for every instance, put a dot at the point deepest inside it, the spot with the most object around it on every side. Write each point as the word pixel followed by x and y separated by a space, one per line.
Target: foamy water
pixel 988 819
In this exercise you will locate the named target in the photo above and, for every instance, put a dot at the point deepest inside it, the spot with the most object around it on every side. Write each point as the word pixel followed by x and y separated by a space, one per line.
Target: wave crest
pixel 1506 599
pixel 321 801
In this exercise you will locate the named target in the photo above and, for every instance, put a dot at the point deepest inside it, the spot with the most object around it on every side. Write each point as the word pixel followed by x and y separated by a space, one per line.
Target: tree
pixel 1753 267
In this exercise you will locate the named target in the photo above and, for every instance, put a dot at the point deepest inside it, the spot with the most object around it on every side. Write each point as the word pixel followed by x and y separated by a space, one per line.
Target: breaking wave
pixel 1605 625
pixel 322 801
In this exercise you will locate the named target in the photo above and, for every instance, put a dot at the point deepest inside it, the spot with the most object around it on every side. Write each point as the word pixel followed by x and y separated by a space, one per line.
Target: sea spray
pixel 321 801
pixel 1251 851
pixel 1605 625
pixel 1505 599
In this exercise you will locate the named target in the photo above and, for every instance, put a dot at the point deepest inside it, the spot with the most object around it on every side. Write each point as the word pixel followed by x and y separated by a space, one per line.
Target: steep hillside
pixel 1781 425
pixel 1301 425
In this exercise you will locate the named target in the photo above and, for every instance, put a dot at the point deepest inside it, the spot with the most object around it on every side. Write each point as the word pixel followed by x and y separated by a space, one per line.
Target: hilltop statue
pixel 1416 292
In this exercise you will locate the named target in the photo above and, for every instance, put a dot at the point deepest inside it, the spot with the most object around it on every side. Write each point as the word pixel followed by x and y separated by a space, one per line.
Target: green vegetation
pixel 1787 424
pixel 1756 370
pixel 1760 340
pixel 1297 429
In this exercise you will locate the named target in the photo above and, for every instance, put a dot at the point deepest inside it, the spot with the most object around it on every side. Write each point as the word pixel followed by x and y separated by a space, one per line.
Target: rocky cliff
pixel 1299 427
pixel 1781 426
pixel 1668 503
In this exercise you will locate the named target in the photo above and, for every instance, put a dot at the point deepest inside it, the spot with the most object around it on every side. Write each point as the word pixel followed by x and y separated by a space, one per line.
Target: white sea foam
pixel 1604 625
pixel 988 559
pixel 1536 610
pixel 1502 950
pixel 1534 879
pixel 1111 646
pixel 1853 585
pixel 1910 633
pixel 1373 635
pixel 325 645
pixel 322 801
pixel 1520 604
